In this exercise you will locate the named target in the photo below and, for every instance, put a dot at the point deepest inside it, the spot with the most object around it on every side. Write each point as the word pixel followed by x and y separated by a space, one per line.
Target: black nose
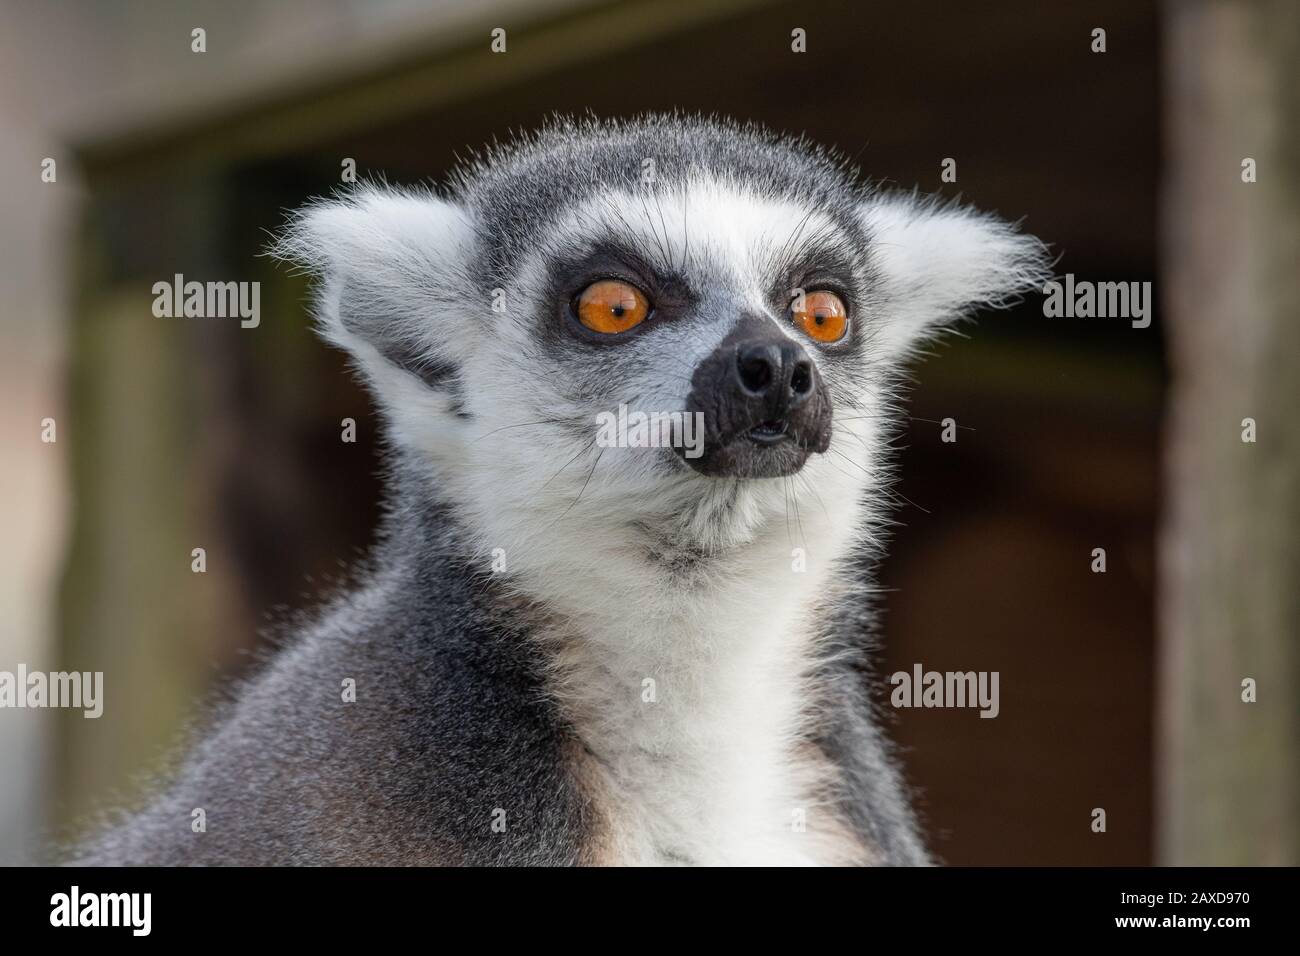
pixel 764 403
pixel 778 372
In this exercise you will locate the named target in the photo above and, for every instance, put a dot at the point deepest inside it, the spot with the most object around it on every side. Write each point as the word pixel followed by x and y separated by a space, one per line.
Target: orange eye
pixel 823 317
pixel 610 306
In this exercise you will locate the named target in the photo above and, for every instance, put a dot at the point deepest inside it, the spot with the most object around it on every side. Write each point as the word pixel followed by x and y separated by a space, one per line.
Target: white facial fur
pixel 651 571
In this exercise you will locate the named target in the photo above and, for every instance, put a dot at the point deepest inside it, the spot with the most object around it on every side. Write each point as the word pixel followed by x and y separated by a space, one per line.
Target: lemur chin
pixel 579 651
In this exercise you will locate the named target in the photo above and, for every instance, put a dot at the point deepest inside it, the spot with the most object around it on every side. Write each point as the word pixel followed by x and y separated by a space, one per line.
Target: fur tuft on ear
pixel 388 262
pixel 939 262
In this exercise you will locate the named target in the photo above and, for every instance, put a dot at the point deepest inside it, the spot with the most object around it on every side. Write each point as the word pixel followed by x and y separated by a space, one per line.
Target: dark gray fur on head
pixel 519 189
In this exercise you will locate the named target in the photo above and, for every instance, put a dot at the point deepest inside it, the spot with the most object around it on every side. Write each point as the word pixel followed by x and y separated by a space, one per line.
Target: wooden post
pixel 1229 770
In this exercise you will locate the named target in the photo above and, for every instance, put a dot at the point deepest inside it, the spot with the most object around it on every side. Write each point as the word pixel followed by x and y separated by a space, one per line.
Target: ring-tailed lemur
pixel 570 651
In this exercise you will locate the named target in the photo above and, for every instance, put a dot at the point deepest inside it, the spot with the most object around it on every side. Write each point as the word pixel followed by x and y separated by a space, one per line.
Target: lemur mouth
pixel 769 432
pixel 773 448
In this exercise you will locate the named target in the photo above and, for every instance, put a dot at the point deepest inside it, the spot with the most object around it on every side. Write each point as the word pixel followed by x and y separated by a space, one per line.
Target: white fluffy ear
pixel 388 264
pixel 939 262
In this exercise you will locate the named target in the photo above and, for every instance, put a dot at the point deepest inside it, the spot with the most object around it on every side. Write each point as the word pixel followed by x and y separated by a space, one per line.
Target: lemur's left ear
pixel 938 262
pixel 386 264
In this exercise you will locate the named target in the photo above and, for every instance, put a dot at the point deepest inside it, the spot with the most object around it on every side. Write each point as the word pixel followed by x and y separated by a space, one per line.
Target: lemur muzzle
pixel 765 405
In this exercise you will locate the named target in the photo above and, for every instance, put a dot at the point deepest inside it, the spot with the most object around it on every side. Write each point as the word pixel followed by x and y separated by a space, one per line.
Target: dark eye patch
pixel 831 268
pixel 669 294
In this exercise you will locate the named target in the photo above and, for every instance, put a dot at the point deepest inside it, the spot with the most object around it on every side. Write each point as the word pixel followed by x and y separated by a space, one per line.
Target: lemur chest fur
pixel 695 759
pixel 693 711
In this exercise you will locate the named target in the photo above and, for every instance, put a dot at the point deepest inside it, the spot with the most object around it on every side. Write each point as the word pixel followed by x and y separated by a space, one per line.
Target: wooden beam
pixel 462 67
pixel 1229 770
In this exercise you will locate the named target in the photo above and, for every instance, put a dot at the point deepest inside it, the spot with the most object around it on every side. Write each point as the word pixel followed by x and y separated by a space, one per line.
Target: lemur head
pixel 685 267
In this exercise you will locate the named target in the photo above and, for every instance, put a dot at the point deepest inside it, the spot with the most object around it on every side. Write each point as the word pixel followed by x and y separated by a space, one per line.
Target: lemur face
pixel 745 316
pixel 696 271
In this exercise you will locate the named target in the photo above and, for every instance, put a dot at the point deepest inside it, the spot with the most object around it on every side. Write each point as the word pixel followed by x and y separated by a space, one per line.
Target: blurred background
pixel 1119 690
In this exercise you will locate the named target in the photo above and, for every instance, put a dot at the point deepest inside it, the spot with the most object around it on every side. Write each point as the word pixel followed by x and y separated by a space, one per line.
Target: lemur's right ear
pixel 387 263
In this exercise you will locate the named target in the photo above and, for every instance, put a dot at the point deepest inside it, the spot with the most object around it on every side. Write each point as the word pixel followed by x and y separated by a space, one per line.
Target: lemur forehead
pixel 520 192
pixel 704 231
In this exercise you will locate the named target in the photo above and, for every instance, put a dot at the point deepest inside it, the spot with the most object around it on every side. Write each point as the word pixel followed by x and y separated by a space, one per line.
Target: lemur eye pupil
pixel 610 306
pixel 823 318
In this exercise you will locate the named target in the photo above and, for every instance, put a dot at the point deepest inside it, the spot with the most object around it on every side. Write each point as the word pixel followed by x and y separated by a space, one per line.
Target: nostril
pixel 755 369
pixel 801 378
